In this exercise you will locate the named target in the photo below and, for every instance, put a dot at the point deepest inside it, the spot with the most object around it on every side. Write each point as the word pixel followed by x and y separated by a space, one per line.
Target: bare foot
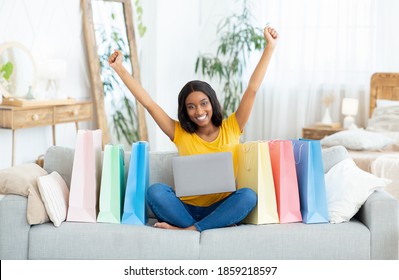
pixel 168 226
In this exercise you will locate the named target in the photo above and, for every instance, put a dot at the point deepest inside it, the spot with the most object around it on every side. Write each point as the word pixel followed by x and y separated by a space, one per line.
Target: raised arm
pixel 244 109
pixel 163 120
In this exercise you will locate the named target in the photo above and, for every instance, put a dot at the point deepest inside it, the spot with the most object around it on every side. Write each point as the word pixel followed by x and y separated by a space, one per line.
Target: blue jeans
pixel 168 208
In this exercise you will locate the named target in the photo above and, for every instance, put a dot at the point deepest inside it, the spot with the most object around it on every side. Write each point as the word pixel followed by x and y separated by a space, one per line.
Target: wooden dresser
pixel 19 117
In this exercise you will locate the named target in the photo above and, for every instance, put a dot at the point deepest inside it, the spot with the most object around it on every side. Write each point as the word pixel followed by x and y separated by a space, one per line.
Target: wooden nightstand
pixel 317 133
pixel 14 117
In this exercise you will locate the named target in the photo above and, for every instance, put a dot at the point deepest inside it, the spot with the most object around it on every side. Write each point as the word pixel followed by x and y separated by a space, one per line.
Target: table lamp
pixel 349 109
pixel 53 70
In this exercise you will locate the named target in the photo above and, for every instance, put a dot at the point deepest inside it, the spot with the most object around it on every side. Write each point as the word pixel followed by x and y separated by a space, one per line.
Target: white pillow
pixel 55 195
pixel 384 123
pixel 386 102
pixel 358 139
pixel 347 188
pixel 384 119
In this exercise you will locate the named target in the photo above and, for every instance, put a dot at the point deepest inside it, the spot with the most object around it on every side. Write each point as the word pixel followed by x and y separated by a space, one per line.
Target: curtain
pixel 327 50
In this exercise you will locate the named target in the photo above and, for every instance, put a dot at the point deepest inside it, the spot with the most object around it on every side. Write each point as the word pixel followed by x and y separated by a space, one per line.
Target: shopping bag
pixel 285 181
pixel 112 191
pixel 135 209
pixel 86 177
pixel 310 174
pixel 255 172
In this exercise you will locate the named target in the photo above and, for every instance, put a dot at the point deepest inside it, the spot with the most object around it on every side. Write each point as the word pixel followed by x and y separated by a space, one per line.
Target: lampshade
pixel 349 109
pixel 350 106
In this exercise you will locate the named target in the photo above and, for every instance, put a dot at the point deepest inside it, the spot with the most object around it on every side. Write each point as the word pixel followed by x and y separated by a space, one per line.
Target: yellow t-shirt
pixel 192 144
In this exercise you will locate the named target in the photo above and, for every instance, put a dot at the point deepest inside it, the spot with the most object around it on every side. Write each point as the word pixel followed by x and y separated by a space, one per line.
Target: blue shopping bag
pixel 311 183
pixel 112 189
pixel 135 210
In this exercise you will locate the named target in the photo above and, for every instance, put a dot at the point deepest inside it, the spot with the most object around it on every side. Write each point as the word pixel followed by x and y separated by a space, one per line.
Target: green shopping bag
pixel 112 189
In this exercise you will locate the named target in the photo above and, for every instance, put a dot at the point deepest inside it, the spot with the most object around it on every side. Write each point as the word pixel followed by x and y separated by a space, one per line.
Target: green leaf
pixel 142 29
pixel 7 68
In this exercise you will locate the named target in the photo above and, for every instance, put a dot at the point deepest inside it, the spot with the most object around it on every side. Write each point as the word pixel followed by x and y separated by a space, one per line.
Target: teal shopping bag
pixel 135 209
pixel 311 183
pixel 112 188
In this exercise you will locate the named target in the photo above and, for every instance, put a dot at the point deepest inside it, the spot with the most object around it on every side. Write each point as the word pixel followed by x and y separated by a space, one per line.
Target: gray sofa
pixel 371 234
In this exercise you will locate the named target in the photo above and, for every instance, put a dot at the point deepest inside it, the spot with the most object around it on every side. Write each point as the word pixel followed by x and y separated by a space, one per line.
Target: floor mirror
pixel 108 25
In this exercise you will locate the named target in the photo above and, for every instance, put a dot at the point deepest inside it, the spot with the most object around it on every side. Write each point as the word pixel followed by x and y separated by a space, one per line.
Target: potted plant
pixel 237 39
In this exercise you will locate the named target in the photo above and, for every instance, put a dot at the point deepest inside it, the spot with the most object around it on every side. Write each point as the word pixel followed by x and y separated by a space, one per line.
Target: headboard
pixel 383 86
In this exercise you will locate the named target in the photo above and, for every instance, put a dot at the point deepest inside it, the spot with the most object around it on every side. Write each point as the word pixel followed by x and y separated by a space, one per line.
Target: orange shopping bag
pixel 285 180
pixel 86 177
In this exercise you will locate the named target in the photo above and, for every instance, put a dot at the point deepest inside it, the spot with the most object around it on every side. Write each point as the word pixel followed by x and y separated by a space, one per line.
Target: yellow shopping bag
pixel 255 172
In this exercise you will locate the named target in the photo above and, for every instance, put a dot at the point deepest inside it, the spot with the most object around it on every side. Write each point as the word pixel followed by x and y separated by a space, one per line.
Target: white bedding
pixel 383 162
pixel 376 148
pixel 386 166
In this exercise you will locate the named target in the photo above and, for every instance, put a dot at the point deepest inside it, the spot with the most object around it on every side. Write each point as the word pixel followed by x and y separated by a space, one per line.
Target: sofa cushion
pixel 55 195
pixel 111 241
pixel 347 188
pixel 161 167
pixel 287 242
pixel 60 159
pixel 333 155
pixel 22 180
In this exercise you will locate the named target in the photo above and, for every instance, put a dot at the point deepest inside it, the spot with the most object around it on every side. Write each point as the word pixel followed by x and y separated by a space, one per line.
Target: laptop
pixel 203 174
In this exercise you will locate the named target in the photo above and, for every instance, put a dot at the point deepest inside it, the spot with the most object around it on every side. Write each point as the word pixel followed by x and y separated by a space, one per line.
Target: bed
pixel 375 149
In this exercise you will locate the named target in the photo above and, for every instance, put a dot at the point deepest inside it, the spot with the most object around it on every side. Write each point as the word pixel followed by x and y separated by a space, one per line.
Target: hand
pixel 271 36
pixel 115 60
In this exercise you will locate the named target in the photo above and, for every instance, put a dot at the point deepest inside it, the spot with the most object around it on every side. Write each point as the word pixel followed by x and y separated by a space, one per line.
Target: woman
pixel 200 129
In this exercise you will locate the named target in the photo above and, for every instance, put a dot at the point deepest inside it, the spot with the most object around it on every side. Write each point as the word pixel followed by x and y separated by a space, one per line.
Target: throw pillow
pixel 347 188
pixel 358 139
pixel 22 180
pixel 55 195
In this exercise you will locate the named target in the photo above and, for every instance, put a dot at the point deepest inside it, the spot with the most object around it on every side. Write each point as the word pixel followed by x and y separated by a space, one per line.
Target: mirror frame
pixel 12 44
pixel 95 70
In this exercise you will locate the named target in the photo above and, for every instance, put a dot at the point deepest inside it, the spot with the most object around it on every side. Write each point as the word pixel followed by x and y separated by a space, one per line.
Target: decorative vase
pixel 327 117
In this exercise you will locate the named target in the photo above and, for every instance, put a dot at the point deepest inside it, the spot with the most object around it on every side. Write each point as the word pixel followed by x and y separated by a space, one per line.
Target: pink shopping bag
pixel 285 181
pixel 86 177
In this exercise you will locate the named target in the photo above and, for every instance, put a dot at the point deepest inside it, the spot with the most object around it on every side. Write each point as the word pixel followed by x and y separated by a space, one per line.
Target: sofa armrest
pixel 14 228
pixel 380 215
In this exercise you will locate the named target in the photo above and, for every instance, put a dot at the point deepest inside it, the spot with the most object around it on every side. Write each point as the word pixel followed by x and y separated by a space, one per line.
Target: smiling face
pixel 199 108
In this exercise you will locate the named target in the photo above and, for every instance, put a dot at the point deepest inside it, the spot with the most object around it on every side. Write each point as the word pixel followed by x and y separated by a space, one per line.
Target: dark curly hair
pixel 185 122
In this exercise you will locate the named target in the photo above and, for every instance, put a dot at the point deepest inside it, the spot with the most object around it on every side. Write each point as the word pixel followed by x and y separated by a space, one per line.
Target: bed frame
pixel 383 86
